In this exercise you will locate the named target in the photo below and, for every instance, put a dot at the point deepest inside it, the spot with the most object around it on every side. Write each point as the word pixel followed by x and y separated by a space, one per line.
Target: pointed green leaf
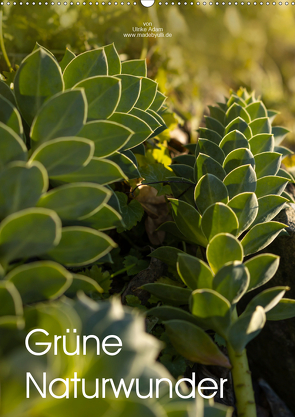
pixel 183 171
pixel 38 78
pixel 261 268
pixel 106 218
pixel 170 294
pixel 240 125
pixel 261 236
pixel 61 115
pixel 126 164
pixel 194 272
pixel 211 309
pixel 108 137
pixel 171 228
pixel 80 246
pixel 140 128
pixel 279 133
pixel 113 59
pixel 256 110
pixel 224 248
pixel 21 186
pixel 237 158
pixel 217 113
pixel 100 171
pixel 82 283
pixel 232 141
pixel 75 201
pixel 12 148
pixel 219 218
pixel 188 221
pixel 270 185
pixel 210 148
pixel 194 343
pixel 27 233
pixel 208 191
pixel 103 95
pixel 240 180
pixel 86 65
pixel 10 300
pixel 267 163
pixel 264 142
pixel 40 281
pixel 215 125
pixel 185 159
pixel 245 206
pixel 261 125
pixel 166 254
pixel 67 58
pixel 64 155
pixel 135 67
pixel 269 207
pixel 158 102
pixel 147 93
pixel 246 328
pixel 131 87
pixel 267 299
pixel 235 111
pixel 146 117
pixel 235 99
pixel 171 313
pixel 210 135
pixel 207 165
pixel 7 93
pixel 232 281
pixel 285 309
pixel 10 116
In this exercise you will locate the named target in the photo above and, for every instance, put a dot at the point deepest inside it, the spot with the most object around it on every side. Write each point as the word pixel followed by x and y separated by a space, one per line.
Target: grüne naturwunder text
pixel 110 345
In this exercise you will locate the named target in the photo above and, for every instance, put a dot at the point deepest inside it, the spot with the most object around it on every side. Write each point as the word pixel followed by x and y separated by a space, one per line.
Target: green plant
pixel 231 189
pixel 67 132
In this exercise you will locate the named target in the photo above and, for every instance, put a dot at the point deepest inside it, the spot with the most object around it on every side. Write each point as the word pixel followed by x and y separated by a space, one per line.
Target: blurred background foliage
pixel 213 48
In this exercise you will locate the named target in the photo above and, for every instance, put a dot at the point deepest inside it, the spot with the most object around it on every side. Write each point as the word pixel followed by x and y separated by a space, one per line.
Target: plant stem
pixel 241 374
pixel 2 46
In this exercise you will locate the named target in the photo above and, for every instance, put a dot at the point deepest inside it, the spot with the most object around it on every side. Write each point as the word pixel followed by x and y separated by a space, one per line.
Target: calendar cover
pixel 147 208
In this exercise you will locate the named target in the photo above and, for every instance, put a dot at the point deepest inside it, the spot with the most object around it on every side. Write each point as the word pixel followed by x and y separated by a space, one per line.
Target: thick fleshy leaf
pixel 21 186
pixel 261 268
pixel 194 272
pixel 108 137
pixel 285 309
pixel 210 135
pixel 263 142
pixel 267 163
pixel 62 115
pixel 215 125
pixel 183 171
pixel 147 93
pixel 167 254
pixel 185 159
pixel 208 191
pixel 27 233
pixel 40 281
pixel 240 180
pixel 12 148
pixel 106 218
pixel 75 201
pixel 279 133
pixel 256 110
pixel 217 113
pixel 283 151
pixel 224 248
pixel 135 67
pixel 219 218
pixel 267 299
pixel 269 207
pixel 261 236
pixel 98 170
pixel 103 95
pixel 270 185
pixel 237 158
pixel 64 155
pixel 67 58
pixel 194 343
pixel 126 164
pixel 210 148
pixel 234 98
pixel 233 140
pixel 240 125
pixel 171 313
pixel 188 221
pixel 86 65
pixel 113 59
pixel 261 125
pixel 170 294
pixel 235 111
pixel 232 281
pixel 207 165
pixel 10 116
pixel 171 228
pixel 38 78
pixel 140 128
pixel 246 328
pixel 82 283
pixel 211 309
pixel 130 91
pixel 146 117
pixel 80 246
pixel 158 102
pixel 10 301
pixel 7 93
pixel 245 206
